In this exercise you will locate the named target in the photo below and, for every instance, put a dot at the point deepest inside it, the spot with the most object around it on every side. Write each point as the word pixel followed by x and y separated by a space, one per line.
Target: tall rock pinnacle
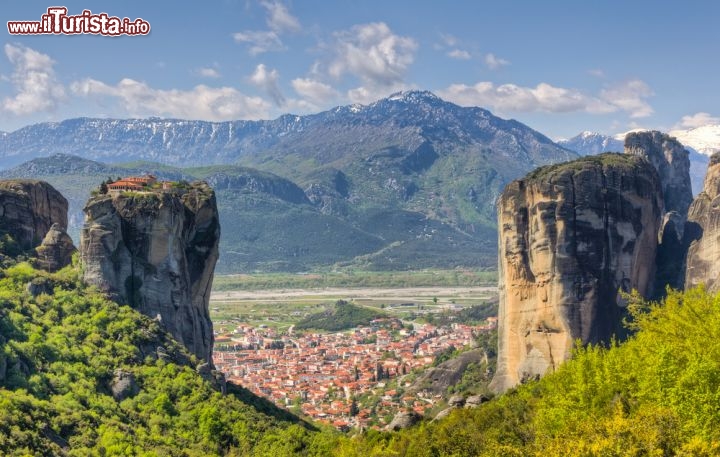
pixel 703 259
pixel 570 237
pixel 156 251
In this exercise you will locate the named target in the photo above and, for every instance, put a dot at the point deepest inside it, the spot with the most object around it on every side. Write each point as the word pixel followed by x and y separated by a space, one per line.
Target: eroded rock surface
pixel 156 251
pixel 56 249
pixel 28 208
pixel 703 259
pixel 403 420
pixel 671 160
pixel 570 237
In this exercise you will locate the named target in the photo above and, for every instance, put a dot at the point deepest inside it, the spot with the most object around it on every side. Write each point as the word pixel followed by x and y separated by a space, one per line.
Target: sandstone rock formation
pixel 56 249
pixel 156 251
pixel 28 209
pixel 672 162
pixel 703 259
pixel 570 237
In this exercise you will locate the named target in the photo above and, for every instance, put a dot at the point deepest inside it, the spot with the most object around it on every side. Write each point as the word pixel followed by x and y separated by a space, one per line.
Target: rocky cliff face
pixel 28 209
pixel 571 236
pixel 157 253
pixel 703 259
pixel 672 162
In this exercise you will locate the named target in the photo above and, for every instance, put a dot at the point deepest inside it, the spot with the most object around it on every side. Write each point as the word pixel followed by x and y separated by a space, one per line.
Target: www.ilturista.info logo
pixel 57 22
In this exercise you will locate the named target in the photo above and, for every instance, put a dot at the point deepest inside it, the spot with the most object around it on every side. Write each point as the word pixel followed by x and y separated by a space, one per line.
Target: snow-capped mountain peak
pixel 589 143
pixel 704 139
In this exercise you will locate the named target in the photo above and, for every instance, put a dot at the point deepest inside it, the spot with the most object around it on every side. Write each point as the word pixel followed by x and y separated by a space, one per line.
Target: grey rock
pixel 703 227
pixel 443 414
pixel 56 249
pixel 672 162
pixel 29 208
pixel 123 385
pixel 156 252
pixel 456 401
pixel 402 420
pixel 438 379
pixel 474 401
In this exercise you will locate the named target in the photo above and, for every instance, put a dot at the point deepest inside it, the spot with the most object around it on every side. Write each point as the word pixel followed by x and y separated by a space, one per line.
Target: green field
pixel 347 279
pixel 281 300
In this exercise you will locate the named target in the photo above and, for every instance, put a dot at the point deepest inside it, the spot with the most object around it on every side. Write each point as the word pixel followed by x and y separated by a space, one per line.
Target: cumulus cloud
pixel 511 97
pixel 279 18
pixel 628 97
pixel 33 77
pixel 314 91
pixel 493 62
pixel 201 102
pixel 259 41
pixel 459 54
pixel 697 120
pixel 373 53
pixel 209 72
pixel 267 80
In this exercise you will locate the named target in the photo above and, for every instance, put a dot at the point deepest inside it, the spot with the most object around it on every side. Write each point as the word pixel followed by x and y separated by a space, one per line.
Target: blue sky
pixel 559 66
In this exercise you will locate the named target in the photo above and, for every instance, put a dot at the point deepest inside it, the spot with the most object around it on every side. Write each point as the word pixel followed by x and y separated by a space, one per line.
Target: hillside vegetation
pixel 59 350
pixel 341 316
pixel 657 394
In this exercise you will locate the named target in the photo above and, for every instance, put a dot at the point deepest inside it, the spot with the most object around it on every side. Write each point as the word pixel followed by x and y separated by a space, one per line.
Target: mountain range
pixel 409 181
pixel 700 143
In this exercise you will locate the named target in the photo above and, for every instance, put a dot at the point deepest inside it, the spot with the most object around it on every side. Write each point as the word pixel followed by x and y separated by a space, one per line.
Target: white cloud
pixel 630 96
pixel 314 91
pixel 598 73
pixel 209 72
pixel 260 41
pixel 374 54
pixel 459 54
pixel 34 80
pixel 267 80
pixel 493 62
pixel 279 18
pixel 202 102
pixel 697 120
pixel 510 97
